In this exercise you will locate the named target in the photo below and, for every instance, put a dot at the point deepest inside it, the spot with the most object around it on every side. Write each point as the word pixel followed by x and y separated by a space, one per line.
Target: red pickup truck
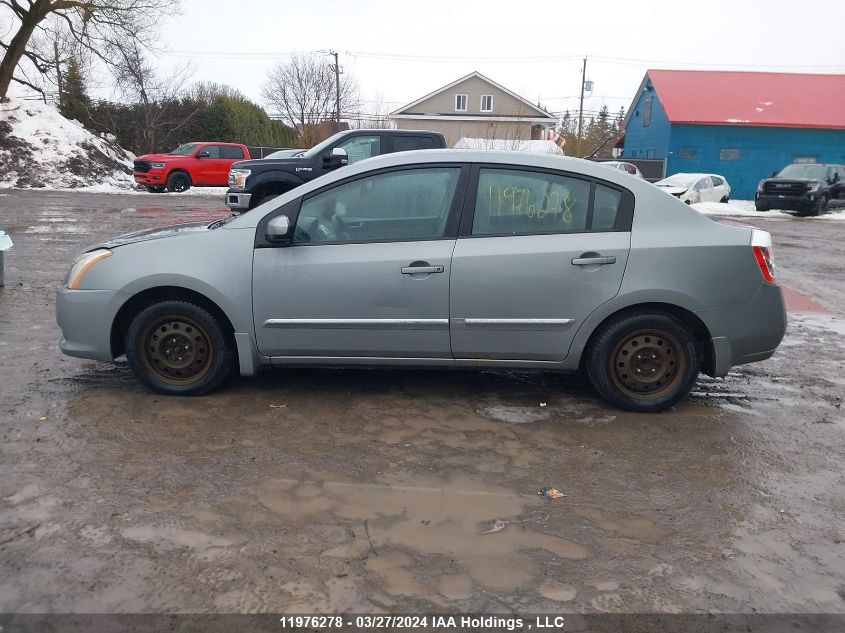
pixel 198 164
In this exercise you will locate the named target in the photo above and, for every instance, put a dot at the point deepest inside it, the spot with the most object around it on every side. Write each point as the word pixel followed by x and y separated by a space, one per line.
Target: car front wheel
pixel 821 209
pixel 178 182
pixel 645 361
pixel 179 348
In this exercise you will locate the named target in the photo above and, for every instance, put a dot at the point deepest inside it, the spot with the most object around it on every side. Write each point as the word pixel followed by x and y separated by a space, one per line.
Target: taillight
pixel 761 243
pixel 764 261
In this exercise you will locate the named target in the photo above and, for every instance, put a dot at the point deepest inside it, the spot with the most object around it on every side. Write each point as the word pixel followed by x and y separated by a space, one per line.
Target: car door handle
pixel 593 261
pixel 422 270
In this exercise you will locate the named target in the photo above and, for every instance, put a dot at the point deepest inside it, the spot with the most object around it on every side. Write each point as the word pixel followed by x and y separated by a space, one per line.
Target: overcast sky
pixel 403 50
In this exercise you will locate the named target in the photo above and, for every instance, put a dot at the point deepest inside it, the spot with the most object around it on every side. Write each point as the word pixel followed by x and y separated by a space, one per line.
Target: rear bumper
pixel 792 203
pixel 746 332
pixel 237 199
pixel 85 318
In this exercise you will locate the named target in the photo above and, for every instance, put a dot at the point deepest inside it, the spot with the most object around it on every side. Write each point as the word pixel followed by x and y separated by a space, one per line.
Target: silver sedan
pixel 438 259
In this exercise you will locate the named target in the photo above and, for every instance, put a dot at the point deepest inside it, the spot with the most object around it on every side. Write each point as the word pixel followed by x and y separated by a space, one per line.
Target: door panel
pixel 522 298
pixel 353 300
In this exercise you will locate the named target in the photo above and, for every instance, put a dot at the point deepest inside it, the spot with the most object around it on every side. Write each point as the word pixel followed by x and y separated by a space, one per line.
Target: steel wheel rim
pixel 648 364
pixel 176 350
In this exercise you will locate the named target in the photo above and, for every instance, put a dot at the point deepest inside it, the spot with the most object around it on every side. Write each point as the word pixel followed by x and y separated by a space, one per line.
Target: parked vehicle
pixel 252 182
pixel 804 187
pixel 692 188
pixel 195 164
pixel 287 152
pixel 622 166
pixel 453 258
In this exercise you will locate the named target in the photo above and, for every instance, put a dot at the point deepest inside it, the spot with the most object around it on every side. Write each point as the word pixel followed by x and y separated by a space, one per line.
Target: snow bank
pixel 745 209
pixel 533 147
pixel 40 148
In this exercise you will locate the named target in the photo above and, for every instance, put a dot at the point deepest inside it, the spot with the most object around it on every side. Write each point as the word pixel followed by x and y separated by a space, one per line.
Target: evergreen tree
pixel 74 102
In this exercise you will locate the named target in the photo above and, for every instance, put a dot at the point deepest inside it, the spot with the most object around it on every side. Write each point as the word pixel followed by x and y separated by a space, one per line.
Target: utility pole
pixel 336 69
pixel 58 71
pixel 581 106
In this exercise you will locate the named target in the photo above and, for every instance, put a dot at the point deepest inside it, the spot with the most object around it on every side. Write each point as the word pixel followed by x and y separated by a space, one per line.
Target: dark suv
pixel 252 182
pixel 803 187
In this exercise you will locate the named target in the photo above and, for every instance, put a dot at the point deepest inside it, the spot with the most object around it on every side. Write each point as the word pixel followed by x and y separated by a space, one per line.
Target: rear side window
pixel 513 202
pixel 408 143
pixel 606 205
pixel 229 151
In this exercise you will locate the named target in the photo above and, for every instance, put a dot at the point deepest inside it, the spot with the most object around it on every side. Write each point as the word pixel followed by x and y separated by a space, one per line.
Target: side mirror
pixel 204 154
pixel 338 158
pixel 835 177
pixel 278 229
pixel 774 174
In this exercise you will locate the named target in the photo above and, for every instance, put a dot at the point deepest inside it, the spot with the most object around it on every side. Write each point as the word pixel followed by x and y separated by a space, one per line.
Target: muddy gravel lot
pixel 315 490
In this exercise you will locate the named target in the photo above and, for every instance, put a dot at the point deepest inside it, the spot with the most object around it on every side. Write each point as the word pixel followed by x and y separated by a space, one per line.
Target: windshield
pixel 285 153
pixel 184 150
pixel 803 170
pixel 679 180
pixel 321 147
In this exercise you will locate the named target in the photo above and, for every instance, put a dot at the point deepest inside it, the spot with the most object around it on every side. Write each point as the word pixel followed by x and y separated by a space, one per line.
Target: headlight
pixel 237 177
pixel 83 264
pixel 157 165
pixel 814 186
pixel 760 185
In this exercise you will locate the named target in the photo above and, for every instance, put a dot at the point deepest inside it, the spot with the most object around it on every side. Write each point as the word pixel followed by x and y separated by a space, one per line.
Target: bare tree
pixel 97 25
pixel 302 92
pixel 156 96
pixel 376 117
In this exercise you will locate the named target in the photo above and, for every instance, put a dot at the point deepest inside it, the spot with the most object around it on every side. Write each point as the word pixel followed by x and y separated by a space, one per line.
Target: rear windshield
pixel 803 170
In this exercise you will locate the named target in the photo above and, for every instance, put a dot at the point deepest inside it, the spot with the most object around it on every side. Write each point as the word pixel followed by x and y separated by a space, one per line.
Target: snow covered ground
pixel 40 148
pixel 745 209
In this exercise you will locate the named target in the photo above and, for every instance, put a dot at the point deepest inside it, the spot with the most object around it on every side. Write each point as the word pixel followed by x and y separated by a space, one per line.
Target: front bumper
pixel 806 202
pixel 155 179
pixel 85 318
pixel 237 199
pixel 746 332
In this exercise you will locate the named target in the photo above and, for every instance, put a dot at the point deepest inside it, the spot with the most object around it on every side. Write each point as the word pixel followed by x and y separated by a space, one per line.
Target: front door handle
pixel 422 270
pixel 593 261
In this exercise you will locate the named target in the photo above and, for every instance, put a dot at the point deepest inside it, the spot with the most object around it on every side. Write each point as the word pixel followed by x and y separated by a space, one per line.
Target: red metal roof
pixel 751 98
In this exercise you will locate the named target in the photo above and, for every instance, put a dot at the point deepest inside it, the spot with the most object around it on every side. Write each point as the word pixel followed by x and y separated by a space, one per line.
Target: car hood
pixel 793 181
pixel 159 157
pixel 154 234
pixel 270 163
pixel 673 190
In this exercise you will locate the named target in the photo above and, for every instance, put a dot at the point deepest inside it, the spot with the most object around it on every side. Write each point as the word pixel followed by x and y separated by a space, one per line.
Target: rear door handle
pixel 593 261
pixel 422 270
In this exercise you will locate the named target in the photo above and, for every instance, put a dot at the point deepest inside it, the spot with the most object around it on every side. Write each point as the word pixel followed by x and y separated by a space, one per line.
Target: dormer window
pixel 486 103
pixel 460 103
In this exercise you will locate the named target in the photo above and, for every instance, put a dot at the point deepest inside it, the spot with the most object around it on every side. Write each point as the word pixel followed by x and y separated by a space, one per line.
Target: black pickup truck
pixel 252 182
pixel 803 187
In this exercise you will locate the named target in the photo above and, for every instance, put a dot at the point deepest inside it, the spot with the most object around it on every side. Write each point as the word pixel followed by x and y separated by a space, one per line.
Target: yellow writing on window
pixel 523 201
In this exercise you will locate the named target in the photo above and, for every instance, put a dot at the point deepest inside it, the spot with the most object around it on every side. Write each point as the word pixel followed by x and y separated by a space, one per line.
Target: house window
pixel 486 103
pixel 805 159
pixel 460 103
pixel 647 111
pixel 687 152
pixel 729 154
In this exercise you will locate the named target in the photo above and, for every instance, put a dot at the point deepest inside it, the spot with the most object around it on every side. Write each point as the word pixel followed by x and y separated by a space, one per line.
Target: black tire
pixel 761 207
pixel 655 343
pixel 178 181
pixel 261 199
pixel 821 208
pixel 724 199
pixel 155 188
pixel 179 348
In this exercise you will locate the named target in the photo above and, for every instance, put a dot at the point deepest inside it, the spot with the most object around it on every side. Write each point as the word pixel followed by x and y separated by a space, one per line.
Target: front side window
pixel 512 202
pixel 230 151
pixel 403 205
pixel 460 103
pixel 210 151
pixel 361 147
pixel 486 103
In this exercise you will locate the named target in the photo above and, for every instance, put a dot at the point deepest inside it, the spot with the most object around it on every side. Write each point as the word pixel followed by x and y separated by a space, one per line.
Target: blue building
pixel 741 125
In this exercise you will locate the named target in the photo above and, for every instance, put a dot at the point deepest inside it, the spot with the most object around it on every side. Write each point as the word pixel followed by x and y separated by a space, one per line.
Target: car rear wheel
pixel 643 362
pixel 178 182
pixel 179 348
